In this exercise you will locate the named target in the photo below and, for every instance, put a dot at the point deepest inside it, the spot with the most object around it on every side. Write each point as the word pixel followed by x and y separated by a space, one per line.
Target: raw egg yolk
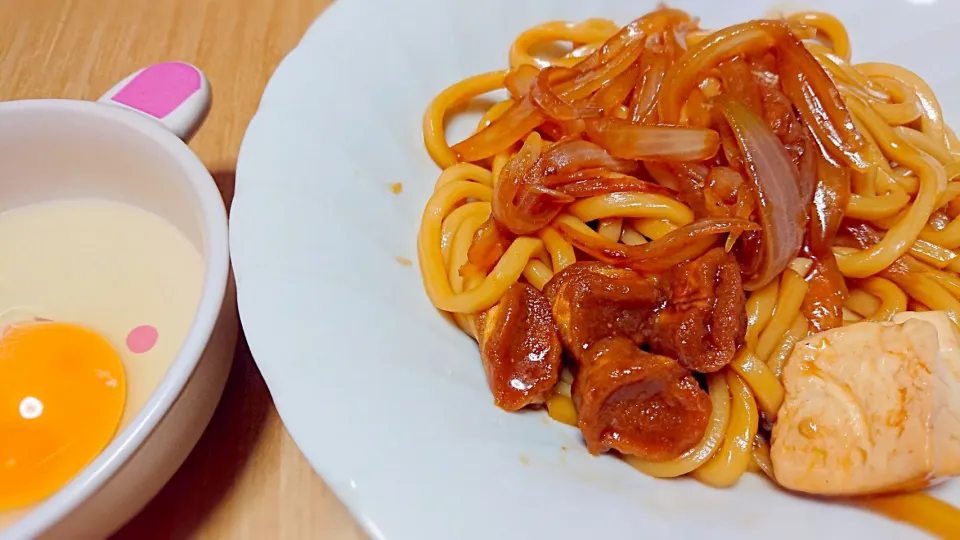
pixel 62 392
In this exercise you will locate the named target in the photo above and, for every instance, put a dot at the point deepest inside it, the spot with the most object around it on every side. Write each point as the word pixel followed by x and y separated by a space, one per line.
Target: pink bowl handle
pixel 174 93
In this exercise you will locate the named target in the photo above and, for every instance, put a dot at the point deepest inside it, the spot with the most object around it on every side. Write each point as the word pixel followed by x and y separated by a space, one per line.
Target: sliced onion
pixel 773 179
pixel 555 106
pixel 823 304
pixel 643 103
pixel 513 203
pixel 591 173
pixel 678 246
pixel 611 184
pixel 804 81
pixel 604 65
pixel 523 202
pixel 829 201
pixel 817 99
pixel 619 52
pixel 571 155
pixel 664 175
pixel 614 93
pixel 589 82
pixel 685 179
pixel 515 123
pixel 489 244
pixel 559 197
pixel 730 145
pixel 624 139
pixel 520 80
pixel 687 72
pixel 806 162
pixel 553 130
pixel 743 209
pixel 603 180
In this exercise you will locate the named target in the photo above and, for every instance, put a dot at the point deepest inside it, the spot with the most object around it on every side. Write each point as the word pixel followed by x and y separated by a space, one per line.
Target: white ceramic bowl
pixel 387 400
pixel 60 149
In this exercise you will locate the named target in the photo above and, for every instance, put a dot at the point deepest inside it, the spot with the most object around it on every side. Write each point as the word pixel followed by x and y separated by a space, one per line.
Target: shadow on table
pixel 195 491
pixel 211 469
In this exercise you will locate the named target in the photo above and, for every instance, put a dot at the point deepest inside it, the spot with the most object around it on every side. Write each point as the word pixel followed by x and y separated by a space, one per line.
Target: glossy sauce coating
pixel 638 403
pixel 592 302
pixel 704 319
pixel 520 348
pixel 695 312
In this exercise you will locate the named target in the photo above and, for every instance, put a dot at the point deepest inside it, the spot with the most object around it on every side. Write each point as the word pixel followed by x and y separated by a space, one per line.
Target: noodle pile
pixel 694 136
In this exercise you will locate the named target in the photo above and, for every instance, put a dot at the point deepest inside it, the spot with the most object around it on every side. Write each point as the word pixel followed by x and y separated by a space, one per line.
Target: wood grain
pixel 246 478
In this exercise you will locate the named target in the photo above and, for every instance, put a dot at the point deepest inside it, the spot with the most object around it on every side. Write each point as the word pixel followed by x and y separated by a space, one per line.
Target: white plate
pixel 386 399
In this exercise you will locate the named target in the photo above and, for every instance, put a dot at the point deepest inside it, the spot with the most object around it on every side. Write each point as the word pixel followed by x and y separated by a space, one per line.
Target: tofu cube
pixel 870 408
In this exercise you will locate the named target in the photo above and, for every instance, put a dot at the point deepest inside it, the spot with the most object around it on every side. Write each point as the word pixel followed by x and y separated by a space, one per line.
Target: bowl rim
pixel 217 266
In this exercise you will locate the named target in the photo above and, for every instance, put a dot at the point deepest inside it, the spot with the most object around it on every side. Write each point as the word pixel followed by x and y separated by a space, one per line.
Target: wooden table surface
pixel 246 478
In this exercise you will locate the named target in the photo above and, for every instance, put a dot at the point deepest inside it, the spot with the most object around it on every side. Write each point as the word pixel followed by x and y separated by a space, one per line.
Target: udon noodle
pixel 648 145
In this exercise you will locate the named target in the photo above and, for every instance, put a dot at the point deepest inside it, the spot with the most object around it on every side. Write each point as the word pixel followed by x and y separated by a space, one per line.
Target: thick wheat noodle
pixel 761 457
pixel 892 299
pixel 589 31
pixel 505 273
pixel 952 141
pixel 948 280
pixel 765 386
pixel 793 289
pixel 730 461
pixel 828 25
pixel 630 237
pixel 561 251
pixel 434 135
pixel 931 122
pixel 464 171
pixel 905 107
pixel 865 184
pixel 575 223
pixel 636 205
pixel 760 307
pixel 494 112
pixel 537 273
pixel 901 236
pixel 932 254
pixel 948 237
pixel 924 289
pixel 453 221
pixel 861 303
pixel 849 316
pixel 610 228
pixel 653 228
pixel 877 207
pixel 848 80
pixel 921 141
pixel 897 114
pixel 459 248
pixel 468 321
pixel 797 331
pixel 953 188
